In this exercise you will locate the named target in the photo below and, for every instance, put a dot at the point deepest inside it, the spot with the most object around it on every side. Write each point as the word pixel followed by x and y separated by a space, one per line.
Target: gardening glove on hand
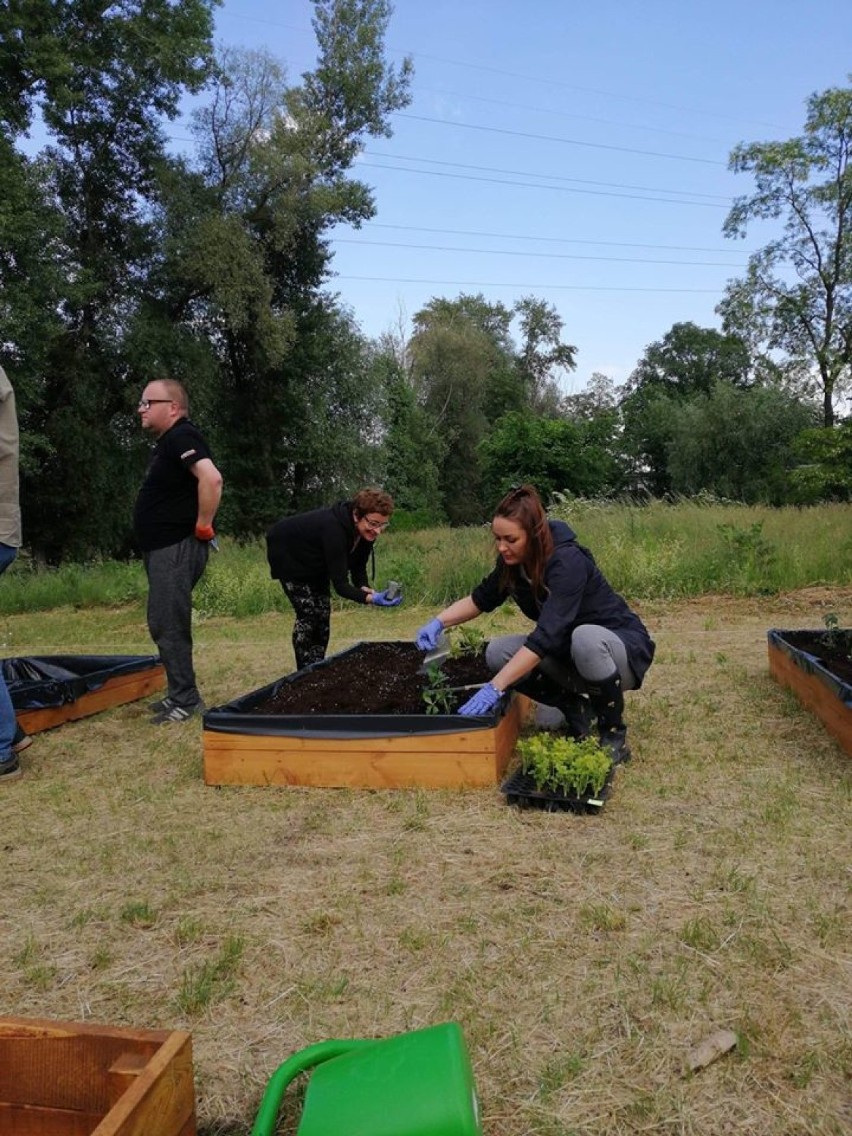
pixel 428 635
pixel 485 699
pixel 380 599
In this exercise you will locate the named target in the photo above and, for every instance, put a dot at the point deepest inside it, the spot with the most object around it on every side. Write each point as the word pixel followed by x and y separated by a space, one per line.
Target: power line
pixel 555 138
pixel 538 185
pixel 553 177
pixel 532 237
pixel 540 255
pixel 524 287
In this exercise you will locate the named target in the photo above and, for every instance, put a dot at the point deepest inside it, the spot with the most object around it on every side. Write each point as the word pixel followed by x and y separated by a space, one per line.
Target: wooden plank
pixel 162 1098
pixel 23 1120
pixel 78 1079
pixel 115 691
pixel 457 759
pixel 814 694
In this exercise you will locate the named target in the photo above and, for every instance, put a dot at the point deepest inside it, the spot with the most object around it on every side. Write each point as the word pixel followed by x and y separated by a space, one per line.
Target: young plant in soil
pixel 564 765
pixel 437 696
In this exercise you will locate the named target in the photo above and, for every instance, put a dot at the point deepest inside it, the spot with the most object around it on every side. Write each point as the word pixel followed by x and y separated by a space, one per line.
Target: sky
pixel 574 152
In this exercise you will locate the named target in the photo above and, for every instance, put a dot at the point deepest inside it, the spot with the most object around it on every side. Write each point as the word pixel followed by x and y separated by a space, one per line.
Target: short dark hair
pixel 372 501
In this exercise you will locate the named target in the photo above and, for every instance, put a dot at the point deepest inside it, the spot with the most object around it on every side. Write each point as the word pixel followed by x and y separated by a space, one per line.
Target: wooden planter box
pixel 71 1079
pixel 135 679
pixel 459 755
pixel 816 687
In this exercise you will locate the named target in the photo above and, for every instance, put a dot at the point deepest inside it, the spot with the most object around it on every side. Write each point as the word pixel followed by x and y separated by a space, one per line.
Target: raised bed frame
pixel 379 751
pixel 75 1079
pixel 818 690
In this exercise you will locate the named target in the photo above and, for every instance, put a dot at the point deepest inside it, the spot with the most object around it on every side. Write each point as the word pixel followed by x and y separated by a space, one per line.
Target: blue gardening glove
pixel 380 599
pixel 428 635
pixel 483 702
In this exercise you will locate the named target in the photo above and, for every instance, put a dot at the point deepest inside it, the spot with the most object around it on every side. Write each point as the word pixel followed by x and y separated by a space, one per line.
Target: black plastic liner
pixel 810 664
pixel 39 682
pixel 520 789
pixel 239 717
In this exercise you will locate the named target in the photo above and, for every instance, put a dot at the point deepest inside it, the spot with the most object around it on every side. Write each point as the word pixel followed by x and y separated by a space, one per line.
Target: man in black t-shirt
pixel 173 522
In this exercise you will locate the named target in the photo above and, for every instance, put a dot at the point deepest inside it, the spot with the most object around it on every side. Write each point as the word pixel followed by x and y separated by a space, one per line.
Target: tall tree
pixel 543 357
pixel 797 293
pixel 274 179
pixel 105 78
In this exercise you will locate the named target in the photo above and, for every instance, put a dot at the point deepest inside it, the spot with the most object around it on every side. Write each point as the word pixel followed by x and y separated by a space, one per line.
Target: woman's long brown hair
pixel 522 504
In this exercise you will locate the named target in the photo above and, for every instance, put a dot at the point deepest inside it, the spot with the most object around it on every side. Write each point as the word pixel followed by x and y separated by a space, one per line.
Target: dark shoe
pixel 578 716
pixel 615 744
pixel 177 714
pixel 21 741
pixel 10 770
pixel 160 705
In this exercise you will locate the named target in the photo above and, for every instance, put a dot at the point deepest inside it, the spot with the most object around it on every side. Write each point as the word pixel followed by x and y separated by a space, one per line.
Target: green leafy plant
pixel 467 641
pixel 564 765
pixel 437 696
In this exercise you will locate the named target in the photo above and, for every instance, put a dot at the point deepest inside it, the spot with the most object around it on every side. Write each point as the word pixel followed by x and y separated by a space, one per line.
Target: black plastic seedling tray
pixel 520 790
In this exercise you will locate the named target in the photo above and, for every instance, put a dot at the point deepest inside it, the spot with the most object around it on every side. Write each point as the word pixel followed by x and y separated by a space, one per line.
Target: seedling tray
pixel 520 789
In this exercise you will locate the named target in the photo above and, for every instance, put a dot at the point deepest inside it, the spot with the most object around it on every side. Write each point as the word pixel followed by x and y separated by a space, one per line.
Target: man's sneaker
pixel 178 713
pixel 161 704
pixel 615 743
pixel 10 770
pixel 21 740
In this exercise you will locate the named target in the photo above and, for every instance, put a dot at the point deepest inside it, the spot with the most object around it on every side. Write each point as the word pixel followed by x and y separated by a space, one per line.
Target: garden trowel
pixel 436 656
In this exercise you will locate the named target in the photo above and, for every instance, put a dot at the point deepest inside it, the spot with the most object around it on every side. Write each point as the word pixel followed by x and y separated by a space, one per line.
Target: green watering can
pixel 415 1084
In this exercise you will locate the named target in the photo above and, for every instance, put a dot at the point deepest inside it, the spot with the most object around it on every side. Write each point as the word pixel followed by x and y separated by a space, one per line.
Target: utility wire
pixel 540 255
pixel 538 185
pixel 553 138
pixel 532 237
pixel 553 177
pixel 523 287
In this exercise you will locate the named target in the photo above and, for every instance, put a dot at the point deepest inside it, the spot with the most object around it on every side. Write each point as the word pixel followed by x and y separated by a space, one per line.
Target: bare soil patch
pixel 832 649
pixel 372 678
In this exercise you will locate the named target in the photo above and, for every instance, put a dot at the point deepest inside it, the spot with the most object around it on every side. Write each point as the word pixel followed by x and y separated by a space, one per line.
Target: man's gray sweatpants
pixel 172 574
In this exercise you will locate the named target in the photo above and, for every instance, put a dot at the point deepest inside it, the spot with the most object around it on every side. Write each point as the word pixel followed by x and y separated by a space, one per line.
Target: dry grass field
pixel 583 955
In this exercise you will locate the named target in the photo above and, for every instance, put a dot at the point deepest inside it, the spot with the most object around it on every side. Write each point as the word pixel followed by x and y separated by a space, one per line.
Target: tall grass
pixel 647 551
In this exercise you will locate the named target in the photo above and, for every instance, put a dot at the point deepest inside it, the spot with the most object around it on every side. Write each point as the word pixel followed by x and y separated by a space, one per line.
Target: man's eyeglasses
pixel 147 403
pixel 376 526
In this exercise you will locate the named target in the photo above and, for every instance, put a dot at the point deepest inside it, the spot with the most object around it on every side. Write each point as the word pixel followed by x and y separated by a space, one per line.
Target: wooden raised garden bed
pixel 817 667
pixel 73 1079
pixel 358 720
pixel 47 691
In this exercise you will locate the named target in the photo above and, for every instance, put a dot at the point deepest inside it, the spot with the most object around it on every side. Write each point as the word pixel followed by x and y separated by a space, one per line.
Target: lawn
pixel 584 956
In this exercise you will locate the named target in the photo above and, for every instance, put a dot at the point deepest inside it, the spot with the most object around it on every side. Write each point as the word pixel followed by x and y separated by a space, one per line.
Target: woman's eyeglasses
pixel 376 526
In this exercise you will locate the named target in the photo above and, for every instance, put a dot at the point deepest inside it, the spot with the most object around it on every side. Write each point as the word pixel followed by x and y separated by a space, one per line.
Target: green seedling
pixel 437 696
pixel 563 765
pixel 467 641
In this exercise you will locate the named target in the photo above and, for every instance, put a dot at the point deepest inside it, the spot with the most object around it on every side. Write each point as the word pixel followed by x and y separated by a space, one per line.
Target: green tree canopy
pixel 796 297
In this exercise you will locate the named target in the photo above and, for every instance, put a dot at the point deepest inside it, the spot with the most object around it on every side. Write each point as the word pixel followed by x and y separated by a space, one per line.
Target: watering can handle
pixel 270 1105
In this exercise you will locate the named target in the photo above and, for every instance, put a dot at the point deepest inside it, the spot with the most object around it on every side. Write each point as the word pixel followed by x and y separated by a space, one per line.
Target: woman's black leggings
pixel 312 628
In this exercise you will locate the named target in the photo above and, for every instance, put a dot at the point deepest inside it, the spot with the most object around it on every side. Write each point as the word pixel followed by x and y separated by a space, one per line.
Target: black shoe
pixel 10 770
pixel 161 705
pixel 21 740
pixel 615 744
pixel 177 714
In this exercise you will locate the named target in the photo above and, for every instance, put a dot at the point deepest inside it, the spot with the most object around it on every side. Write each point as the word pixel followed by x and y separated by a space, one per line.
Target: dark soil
pixel 372 678
pixel 833 649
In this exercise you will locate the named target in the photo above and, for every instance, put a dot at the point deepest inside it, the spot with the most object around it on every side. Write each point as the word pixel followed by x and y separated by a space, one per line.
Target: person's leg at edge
pixel 312 626
pixel 601 661
pixel 173 572
pixel 552 684
pixel 10 769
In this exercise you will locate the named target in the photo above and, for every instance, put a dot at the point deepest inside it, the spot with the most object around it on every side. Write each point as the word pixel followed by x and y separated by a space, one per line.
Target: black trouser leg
pixel 607 699
pixel 574 707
